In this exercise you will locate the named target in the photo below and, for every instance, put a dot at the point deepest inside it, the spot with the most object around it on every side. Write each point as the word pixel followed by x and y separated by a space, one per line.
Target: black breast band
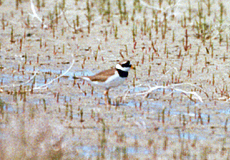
pixel 123 74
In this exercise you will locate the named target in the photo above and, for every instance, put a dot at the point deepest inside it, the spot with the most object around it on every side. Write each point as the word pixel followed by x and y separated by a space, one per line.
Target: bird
pixel 110 78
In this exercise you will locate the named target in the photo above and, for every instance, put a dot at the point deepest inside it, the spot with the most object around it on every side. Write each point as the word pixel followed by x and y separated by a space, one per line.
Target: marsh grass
pixel 31 137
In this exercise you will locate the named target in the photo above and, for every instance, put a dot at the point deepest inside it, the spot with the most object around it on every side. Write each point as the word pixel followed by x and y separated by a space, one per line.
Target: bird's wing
pixel 103 76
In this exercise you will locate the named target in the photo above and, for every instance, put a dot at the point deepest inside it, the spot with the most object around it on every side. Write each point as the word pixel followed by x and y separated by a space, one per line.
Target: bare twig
pixel 148 6
pixel 35 15
pixel 150 89
pixel 189 93
pixel 46 85
pixel 66 19
pixel 21 84
pixel 40 87
pixel 166 10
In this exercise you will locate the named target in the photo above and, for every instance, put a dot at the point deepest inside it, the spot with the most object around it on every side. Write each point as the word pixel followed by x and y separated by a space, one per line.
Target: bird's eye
pixel 127 64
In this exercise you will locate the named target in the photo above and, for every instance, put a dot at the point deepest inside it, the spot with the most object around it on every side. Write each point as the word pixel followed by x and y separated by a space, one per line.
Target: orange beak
pixel 132 67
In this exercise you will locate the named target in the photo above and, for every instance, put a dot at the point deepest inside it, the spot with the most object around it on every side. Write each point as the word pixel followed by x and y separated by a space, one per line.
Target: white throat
pixel 126 69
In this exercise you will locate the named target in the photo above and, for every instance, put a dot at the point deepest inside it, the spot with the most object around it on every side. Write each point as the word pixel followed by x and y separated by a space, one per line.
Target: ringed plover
pixel 110 78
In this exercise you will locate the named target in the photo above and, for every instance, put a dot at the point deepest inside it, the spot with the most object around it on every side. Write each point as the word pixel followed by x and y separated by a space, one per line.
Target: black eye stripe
pixel 127 64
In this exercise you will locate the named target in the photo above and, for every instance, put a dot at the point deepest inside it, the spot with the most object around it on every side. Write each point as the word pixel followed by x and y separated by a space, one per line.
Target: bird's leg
pixel 106 98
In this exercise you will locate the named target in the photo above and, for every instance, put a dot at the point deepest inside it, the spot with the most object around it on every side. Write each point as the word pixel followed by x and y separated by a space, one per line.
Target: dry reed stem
pixel 82 26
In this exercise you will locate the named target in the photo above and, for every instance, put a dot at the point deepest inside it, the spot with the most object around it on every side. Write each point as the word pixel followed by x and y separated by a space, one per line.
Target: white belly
pixel 111 82
pixel 114 81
